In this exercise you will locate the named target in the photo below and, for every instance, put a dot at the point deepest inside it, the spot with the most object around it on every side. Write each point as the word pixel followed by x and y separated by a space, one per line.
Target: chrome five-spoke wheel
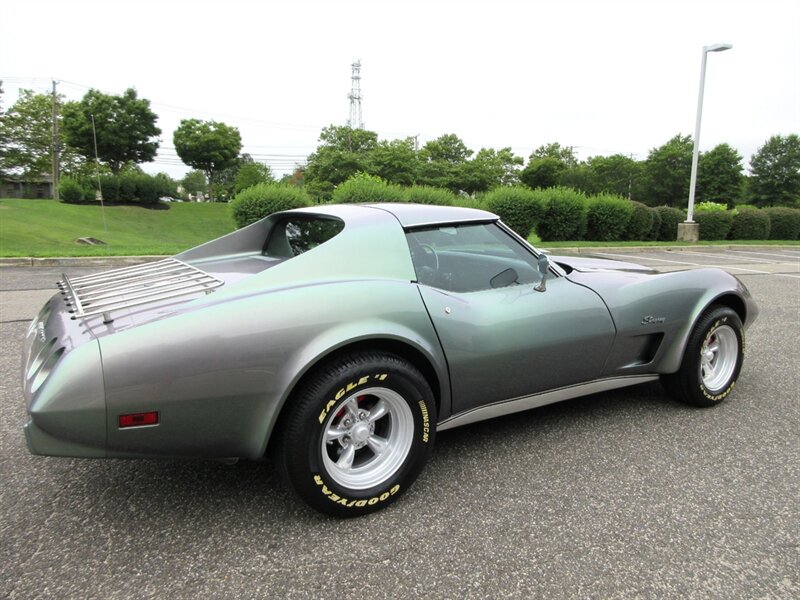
pixel 718 357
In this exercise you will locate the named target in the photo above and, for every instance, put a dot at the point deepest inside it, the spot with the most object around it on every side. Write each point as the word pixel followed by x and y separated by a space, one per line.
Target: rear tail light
pixel 138 419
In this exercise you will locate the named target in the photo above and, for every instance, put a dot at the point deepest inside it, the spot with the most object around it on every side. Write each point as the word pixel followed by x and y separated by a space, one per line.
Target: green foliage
pixel 250 174
pixel 666 173
pixel 262 199
pixel 125 128
pixel 775 172
pixel 670 217
pixel 719 176
pixel 26 137
pixel 640 223
pixel 709 207
pixel 784 223
pixel 394 161
pixel 616 174
pixel 423 194
pixel 607 218
pixel 71 191
pixel 194 182
pixel 207 145
pixel 344 151
pixel 749 224
pixel 518 207
pixel 362 187
pixel 489 169
pixel 714 224
pixel 542 173
pixel 563 154
pixel 655 229
pixel 442 163
pixel 564 214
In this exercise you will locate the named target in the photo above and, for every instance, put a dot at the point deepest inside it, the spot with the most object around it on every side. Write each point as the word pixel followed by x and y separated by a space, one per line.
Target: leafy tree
pixel 344 151
pixel 394 161
pixel 194 183
pixel 207 145
pixel 616 174
pixel 125 127
pixel 489 169
pixel 542 173
pixel 26 137
pixel 564 154
pixel 666 173
pixel 775 172
pixel 719 176
pixel 250 174
pixel 442 162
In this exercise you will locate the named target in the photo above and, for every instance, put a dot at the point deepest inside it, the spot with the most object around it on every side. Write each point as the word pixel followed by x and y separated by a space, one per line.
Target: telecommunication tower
pixel 355 121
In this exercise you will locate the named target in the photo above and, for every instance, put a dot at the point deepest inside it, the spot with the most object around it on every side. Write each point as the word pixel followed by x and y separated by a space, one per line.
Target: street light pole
pixel 690 230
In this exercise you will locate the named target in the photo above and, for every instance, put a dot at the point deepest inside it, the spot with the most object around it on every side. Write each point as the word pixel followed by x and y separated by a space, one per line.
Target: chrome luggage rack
pixel 133 286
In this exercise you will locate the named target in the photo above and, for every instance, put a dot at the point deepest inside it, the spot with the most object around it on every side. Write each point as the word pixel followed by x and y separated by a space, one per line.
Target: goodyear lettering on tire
pixel 426 423
pixel 346 389
pixel 337 499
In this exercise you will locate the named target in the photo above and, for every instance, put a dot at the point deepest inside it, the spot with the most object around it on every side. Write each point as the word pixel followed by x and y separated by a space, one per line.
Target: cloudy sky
pixel 601 76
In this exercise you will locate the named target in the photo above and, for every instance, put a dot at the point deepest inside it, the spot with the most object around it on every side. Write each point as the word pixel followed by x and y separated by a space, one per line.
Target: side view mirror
pixel 544 265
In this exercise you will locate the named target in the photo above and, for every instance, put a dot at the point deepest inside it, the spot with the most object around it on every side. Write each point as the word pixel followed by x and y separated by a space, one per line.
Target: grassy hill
pixel 50 228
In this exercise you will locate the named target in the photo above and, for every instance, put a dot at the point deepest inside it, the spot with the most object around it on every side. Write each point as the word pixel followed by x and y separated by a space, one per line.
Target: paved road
pixel 623 494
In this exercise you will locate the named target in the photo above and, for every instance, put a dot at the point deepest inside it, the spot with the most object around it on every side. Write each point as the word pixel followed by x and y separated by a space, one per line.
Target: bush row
pixel 555 214
pixel 125 187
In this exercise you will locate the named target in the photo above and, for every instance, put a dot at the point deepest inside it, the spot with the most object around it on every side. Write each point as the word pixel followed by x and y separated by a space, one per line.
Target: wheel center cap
pixel 360 432
pixel 709 355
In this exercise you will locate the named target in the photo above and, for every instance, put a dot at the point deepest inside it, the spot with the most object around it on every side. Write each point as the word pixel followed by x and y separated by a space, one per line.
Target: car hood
pixel 589 264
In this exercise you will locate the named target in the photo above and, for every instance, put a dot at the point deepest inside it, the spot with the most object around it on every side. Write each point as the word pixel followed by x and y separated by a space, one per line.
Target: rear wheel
pixel 712 359
pixel 358 433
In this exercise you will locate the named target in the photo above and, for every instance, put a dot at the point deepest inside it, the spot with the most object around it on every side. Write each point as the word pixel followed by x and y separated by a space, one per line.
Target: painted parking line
pixel 728 257
pixel 766 254
pixel 691 264
pixel 628 257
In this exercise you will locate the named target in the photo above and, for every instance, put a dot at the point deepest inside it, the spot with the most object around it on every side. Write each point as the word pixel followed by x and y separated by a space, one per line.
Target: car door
pixel 502 338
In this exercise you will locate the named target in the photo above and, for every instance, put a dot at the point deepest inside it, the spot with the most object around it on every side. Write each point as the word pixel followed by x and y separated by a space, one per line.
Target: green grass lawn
pixel 49 228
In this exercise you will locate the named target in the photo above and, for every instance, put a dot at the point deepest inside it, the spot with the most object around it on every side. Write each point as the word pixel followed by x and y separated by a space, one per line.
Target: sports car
pixel 339 339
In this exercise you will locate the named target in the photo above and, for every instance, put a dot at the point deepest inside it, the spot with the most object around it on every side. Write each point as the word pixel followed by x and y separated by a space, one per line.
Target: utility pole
pixel 355 122
pixel 56 145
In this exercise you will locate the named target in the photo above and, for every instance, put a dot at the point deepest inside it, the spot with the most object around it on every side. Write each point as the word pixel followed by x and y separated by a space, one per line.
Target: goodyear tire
pixel 357 434
pixel 712 359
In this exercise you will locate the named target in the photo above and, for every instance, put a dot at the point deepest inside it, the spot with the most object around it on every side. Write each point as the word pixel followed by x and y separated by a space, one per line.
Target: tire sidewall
pixel 715 319
pixel 311 478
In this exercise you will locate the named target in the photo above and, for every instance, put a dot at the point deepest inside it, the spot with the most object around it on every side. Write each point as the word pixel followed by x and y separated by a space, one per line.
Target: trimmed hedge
pixel 607 218
pixel 655 228
pixel 640 223
pixel 518 207
pixel 784 223
pixel 670 217
pixel 262 199
pixel 425 194
pixel 563 216
pixel 367 188
pixel 71 191
pixel 714 224
pixel 749 223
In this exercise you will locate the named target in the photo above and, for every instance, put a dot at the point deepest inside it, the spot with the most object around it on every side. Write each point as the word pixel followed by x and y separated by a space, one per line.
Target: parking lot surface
pixel 618 495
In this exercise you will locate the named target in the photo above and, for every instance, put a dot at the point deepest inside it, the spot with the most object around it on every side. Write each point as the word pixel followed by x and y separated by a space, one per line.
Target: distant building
pixel 13 186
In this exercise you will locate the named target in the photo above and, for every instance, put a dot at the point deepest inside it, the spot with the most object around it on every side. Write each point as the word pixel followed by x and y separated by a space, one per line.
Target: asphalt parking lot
pixel 618 495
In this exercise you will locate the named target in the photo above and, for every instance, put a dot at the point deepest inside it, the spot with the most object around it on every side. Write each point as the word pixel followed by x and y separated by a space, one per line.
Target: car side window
pixel 292 236
pixel 469 258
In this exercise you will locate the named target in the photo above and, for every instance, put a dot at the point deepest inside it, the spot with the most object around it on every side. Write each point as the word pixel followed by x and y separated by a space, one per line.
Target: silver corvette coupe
pixel 340 339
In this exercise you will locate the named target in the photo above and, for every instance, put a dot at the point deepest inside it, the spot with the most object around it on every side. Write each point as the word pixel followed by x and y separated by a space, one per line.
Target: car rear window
pixel 294 235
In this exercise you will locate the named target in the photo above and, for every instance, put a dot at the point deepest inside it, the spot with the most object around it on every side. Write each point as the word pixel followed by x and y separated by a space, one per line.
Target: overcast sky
pixel 603 77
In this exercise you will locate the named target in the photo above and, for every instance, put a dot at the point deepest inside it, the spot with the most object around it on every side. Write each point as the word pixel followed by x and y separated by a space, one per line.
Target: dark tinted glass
pixel 293 236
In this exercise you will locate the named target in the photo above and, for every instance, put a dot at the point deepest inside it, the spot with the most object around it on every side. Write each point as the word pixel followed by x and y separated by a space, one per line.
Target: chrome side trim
pixel 507 407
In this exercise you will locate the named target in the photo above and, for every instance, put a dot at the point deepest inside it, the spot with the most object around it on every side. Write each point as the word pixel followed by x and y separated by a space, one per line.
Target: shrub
pixel 655 228
pixel 640 223
pixel 517 207
pixel 127 187
pixel 714 224
pixel 710 206
pixel 670 217
pixel 71 191
pixel 262 199
pixel 784 223
pixel 607 218
pixel 749 223
pixel 425 194
pixel 367 188
pixel 147 189
pixel 563 214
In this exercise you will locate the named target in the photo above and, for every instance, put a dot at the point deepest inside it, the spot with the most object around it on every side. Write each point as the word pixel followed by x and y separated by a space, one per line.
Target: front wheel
pixel 712 359
pixel 358 433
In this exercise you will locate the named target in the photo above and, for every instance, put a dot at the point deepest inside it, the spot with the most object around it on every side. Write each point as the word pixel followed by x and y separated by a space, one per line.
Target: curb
pixel 640 249
pixel 77 261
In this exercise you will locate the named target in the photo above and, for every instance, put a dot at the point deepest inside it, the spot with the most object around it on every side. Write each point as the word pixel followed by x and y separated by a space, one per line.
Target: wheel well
pixel 735 303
